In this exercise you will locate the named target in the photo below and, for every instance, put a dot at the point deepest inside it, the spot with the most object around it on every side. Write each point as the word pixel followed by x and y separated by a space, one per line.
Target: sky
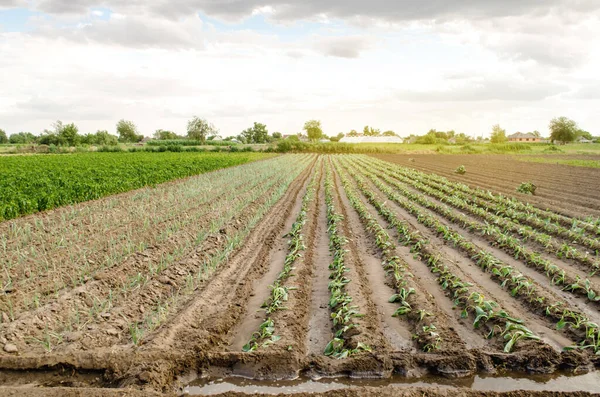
pixel 401 65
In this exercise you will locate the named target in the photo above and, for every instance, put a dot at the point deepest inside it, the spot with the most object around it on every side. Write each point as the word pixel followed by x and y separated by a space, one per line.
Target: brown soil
pixel 573 191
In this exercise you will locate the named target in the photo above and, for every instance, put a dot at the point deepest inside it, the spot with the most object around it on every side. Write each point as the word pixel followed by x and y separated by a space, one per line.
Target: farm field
pixel 569 189
pixel 311 266
pixel 29 184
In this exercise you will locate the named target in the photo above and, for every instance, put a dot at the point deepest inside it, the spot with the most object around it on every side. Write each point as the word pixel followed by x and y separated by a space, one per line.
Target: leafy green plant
pixel 527 188
pixel 461 170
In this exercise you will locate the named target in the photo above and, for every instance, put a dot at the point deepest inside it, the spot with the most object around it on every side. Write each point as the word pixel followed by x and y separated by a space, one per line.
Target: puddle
pixel 589 382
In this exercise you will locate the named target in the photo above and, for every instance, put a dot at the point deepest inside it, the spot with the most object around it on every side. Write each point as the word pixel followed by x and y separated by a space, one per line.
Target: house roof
pixel 521 135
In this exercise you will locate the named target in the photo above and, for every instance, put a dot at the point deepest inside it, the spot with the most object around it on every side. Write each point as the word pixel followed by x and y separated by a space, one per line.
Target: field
pixel 30 184
pixel 310 266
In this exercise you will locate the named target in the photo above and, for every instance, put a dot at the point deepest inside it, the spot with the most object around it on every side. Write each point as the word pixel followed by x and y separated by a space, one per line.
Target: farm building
pixel 521 137
pixel 371 139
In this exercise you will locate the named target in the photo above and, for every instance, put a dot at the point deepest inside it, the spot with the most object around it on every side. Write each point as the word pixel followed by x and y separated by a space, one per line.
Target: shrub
pixel 527 188
pixel 460 170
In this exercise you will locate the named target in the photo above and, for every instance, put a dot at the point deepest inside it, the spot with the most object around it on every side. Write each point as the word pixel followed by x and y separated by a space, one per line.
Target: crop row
pixel 472 303
pixel 342 312
pixel 503 240
pixel 265 336
pixel 560 249
pixel 114 295
pixel 518 210
pixel 47 281
pixel 566 318
pixel 426 333
pixel 30 184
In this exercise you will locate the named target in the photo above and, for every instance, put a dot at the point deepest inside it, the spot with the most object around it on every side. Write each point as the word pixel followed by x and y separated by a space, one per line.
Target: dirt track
pixel 201 331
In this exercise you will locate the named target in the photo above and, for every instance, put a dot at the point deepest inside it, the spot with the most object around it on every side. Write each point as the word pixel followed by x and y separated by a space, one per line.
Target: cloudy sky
pixel 404 65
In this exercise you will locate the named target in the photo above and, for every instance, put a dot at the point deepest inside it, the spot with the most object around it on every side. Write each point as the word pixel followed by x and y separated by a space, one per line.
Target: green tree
pixel 164 135
pixel 277 135
pixel 68 134
pixel 128 131
pixel 389 133
pixel 3 137
pixel 258 133
pixel 537 134
pixel 563 130
pixel 22 137
pixel 585 134
pixel 353 133
pixel 198 129
pixel 498 134
pixel 313 130
pixel 370 131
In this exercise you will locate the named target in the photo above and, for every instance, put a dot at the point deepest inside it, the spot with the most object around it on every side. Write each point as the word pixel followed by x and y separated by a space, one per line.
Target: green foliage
pixel 165 135
pixel 277 135
pixel 370 131
pixel 22 138
pixel 30 184
pixel 526 188
pixel 498 134
pixel 460 170
pixel 128 132
pixel 198 129
pixel 102 137
pixel 563 129
pixel 313 130
pixel 389 133
pixel 258 133
pixel 3 137
pixel 188 142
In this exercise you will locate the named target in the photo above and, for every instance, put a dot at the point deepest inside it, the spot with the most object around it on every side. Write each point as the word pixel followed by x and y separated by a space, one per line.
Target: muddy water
pixel 508 382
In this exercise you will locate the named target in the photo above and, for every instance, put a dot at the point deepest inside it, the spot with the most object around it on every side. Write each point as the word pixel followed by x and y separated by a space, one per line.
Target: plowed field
pixel 300 265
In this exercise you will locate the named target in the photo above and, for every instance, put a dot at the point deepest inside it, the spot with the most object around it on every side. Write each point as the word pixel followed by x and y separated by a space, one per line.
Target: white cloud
pixel 407 66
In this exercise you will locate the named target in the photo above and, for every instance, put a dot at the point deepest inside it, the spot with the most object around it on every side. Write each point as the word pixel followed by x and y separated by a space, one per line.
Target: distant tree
pixel 102 137
pixel 428 139
pixel 128 131
pixel 198 129
pixel 337 137
pixel 389 133
pixel 22 138
pixel 450 134
pixel 353 133
pixel 69 134
pixel 563 130
pixel 277 135
pixel 3 137
pixel 164 135
pixel 370 131
pixel 498 134
pixel 585 134
pixel 313 130
pixel 462 138
pixel 537 134
pixel 258 133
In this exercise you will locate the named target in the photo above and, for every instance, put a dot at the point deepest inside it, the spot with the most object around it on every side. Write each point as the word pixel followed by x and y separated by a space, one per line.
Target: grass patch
pixel 556 160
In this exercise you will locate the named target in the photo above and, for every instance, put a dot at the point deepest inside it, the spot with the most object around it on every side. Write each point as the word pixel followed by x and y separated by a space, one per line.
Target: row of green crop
pixel 518 210
pixel 457 200
pixel 501 239
pixel 342 312
pixel 426 333
pixel 265 336
pixel 575 323
pixel 574 234
pixel 30 184
pixel 472 303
